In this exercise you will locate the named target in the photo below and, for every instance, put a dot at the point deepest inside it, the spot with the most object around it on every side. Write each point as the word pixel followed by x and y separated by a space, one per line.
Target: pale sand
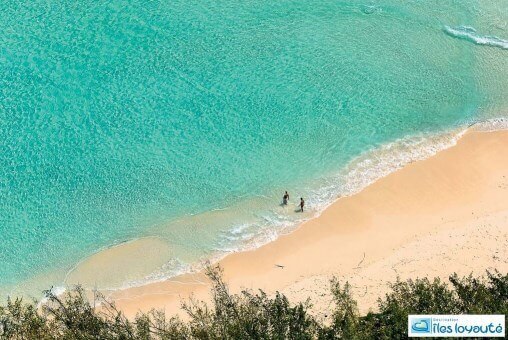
pixel 446 214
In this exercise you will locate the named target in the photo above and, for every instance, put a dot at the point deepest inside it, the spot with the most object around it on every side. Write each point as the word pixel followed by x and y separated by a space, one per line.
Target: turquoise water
pixel 185 120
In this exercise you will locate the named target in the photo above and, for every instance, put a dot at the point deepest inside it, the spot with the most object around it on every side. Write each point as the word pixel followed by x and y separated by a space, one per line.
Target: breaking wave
pixel 470 34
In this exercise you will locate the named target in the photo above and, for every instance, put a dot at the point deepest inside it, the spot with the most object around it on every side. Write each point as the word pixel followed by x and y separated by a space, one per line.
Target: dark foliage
pixel 250 315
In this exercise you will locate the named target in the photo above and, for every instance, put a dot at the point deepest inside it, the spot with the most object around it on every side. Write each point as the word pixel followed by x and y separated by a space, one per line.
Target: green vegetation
pixel 252 315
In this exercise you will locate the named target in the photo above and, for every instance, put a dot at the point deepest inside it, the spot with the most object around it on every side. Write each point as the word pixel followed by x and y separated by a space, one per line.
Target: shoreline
pixel 356 176
pixel 305 245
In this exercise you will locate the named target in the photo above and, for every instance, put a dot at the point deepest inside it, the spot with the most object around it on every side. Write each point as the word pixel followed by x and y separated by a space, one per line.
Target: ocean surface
pixel 187 120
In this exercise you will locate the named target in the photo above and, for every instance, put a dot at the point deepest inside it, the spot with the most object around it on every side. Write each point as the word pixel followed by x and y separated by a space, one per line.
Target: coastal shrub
pixel 21 320
pixel 345 315
pixel 248 315
pixel 254 315
pixel 475 297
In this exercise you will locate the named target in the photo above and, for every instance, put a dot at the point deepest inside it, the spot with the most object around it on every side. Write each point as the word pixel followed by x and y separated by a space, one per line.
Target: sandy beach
pixel 445 214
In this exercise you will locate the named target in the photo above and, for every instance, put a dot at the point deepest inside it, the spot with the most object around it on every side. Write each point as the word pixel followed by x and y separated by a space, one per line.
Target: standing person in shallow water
pixel 285 198
pixel 302 204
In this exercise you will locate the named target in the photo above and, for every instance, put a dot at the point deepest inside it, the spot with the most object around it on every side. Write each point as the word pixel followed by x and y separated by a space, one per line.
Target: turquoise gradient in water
pixel 121 120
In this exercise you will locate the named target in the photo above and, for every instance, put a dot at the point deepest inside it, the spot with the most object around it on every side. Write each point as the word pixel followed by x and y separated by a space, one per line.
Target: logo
pixel 456 326
pixel 421 325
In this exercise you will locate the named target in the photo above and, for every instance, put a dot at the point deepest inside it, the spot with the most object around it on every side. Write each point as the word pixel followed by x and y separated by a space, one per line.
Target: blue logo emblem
pixel 421 325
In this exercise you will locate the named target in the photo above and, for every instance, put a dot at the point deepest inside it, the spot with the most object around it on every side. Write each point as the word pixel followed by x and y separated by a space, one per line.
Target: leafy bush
pixel 250 315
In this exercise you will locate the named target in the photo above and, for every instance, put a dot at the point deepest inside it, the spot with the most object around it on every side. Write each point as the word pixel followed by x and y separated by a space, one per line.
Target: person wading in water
pixel 302 204
pixel 285 198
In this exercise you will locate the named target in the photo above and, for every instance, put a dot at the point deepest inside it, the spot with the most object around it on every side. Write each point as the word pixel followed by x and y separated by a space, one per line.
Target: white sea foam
pixel 239 229
pixel 390 157
pixel 469 33
pixel 494 124
pixel 172 268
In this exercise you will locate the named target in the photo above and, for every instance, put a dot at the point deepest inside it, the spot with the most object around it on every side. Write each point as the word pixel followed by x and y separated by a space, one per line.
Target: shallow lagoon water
pixel 186 120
